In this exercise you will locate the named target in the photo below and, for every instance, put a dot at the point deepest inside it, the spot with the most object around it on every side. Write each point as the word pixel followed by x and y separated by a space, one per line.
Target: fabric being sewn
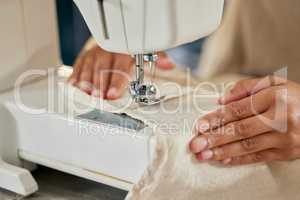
pixel 175 174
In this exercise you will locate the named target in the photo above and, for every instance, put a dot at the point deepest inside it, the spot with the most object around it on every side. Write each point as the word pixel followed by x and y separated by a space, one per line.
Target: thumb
pixel 164 62
pixel 245 88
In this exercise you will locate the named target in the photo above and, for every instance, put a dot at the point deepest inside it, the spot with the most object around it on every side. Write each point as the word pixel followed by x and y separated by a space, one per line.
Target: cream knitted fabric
pixel 174 173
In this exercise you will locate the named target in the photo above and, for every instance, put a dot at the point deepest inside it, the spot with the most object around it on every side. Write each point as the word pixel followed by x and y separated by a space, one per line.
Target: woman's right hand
pixel 104 74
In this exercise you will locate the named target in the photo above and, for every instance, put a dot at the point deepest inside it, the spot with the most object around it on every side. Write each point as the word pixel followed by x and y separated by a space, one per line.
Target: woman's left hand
pixel 258 122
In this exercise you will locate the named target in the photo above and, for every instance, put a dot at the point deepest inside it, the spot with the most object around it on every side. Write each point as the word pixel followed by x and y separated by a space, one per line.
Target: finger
pixel 249 87
pixel 236 111
pixel 102 74
pixel 74 78
pixel 120 76
pixel 232 132
pixel 263 156
pixel 295 153
pixel 86 75
pixel 244 147
pixel 164 61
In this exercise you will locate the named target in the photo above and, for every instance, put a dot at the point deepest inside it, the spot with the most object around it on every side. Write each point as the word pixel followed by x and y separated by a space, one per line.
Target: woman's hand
pixel 258 122
pixel 104 74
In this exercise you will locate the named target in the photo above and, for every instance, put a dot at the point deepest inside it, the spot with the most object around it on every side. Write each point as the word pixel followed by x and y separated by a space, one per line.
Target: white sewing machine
pixel 141 28
pixel 34 127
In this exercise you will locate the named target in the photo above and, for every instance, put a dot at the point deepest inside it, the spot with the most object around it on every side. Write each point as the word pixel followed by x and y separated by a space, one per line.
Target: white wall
pixel 28 38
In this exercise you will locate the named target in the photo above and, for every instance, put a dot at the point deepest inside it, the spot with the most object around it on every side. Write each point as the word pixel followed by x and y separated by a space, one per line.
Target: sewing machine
pixel 143 27
pixel 35 126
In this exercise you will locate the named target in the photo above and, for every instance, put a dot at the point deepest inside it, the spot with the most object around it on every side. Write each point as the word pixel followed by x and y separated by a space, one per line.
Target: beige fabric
pixel 174 173
pixel 257 37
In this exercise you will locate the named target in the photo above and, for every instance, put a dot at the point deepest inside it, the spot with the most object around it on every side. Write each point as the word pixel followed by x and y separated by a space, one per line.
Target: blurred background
pixel 74 33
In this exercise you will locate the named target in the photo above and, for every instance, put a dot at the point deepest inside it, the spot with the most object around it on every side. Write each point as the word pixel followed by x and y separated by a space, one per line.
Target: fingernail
pixel 96 93
pixel 72 81
pixel 207 155
pixel 222 100
pixel 112 93
pixel 165 63
pixel 203 126
pixel 85 86
pixel 226 161
pixel 198 145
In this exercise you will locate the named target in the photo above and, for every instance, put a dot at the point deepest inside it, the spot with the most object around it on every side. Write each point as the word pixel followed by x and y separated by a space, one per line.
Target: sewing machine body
pixel 142 28
pixel 147 26
pixel 67 141
pixel 52 138
pixel 34 134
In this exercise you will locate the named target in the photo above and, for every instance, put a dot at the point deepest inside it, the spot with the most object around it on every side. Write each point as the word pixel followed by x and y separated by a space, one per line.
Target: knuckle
pixel 282 141
pixel 284 155
pixel 237 160
pixel 257 157
pixel 292 139
pixel 293 154
pixel 249 144
pixel 229 130
pixel 219 118
pixel 215 119
pixel 219 153
pixel 213 139
pixel 292 118
pixel 237 111
pixel 241 129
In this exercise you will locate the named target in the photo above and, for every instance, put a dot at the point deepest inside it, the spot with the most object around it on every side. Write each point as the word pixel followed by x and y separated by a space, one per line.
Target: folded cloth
pixel 175 174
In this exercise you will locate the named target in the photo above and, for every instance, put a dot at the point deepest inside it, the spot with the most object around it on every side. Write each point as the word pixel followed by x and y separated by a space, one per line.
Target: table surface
pixel 55 185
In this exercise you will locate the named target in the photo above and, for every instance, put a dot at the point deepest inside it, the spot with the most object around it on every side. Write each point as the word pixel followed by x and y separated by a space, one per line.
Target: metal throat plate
pixel 120 120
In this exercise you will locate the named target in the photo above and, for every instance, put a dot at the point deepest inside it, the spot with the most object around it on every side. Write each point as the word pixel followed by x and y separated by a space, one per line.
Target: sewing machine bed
pixel 113 149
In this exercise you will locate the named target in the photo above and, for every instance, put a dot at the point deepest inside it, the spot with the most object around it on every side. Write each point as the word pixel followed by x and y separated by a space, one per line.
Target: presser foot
pixel 144 94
